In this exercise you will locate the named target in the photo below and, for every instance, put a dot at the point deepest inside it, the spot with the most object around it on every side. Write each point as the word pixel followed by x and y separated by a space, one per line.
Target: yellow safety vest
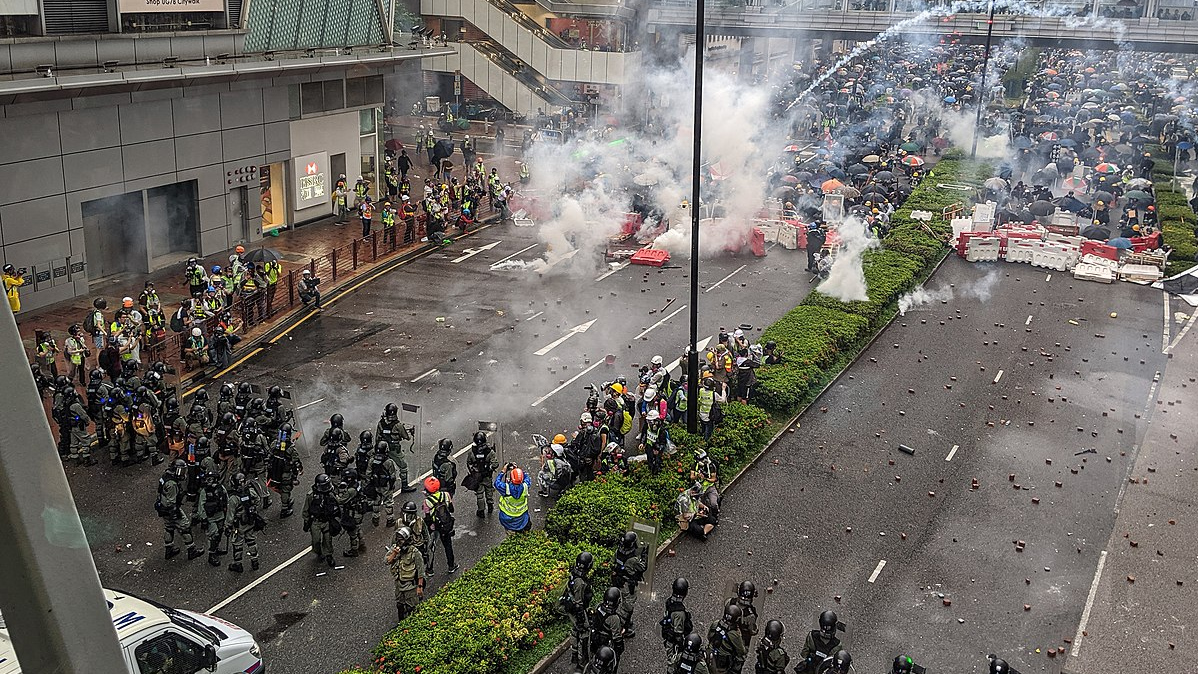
pixel 706 400
pixel 513 506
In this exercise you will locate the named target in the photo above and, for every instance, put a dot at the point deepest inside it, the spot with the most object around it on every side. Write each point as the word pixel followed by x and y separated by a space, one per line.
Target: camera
pixel 22 271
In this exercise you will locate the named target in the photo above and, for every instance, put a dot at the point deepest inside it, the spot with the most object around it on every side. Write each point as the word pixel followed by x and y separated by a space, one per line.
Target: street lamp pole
pixel 692 367
pixel 977 125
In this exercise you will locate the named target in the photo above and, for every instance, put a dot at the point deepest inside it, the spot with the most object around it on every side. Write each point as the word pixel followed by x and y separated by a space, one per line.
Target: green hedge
pixel 496 616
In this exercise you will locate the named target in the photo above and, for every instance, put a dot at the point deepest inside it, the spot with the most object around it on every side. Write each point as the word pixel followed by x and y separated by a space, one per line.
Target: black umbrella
pixel 1096 232
pixel 1041 208
pixel 884 177
pixel 263 255
pixel 443 149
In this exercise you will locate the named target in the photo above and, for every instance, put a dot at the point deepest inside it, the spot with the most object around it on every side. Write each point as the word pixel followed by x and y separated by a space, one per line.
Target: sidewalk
pixel 334 252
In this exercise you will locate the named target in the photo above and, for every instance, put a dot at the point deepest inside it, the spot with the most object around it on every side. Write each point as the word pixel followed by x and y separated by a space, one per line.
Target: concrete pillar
pixel 748 55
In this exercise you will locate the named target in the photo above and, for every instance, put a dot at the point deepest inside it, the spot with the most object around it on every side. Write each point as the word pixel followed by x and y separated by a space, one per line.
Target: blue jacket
pixel 508 492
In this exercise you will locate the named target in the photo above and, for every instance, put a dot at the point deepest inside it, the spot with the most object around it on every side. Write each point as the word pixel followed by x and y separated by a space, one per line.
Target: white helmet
pixel 306 272
pixel 650 394
pixel 585 418
pixel 653 415
pixel 557 449
pixel 195 332
pixel 656 360
pixel 738 333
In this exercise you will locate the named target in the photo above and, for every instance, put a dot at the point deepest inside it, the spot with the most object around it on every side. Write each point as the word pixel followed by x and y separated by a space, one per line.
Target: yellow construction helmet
pixel 617 388
pixel 559 439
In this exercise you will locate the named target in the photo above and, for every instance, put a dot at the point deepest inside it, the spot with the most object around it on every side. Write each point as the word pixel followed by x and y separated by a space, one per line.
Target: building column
pixel 748 55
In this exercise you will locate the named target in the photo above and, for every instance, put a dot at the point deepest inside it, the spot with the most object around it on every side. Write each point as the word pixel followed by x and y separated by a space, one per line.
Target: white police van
pixel 157 639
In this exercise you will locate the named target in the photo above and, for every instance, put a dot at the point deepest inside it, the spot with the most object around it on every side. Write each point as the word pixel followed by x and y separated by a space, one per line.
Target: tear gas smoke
pixel 846 279
pixel 981 289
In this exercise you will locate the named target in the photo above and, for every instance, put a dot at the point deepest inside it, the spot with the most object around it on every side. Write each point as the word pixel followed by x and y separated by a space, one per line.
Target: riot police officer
pixel 244 522
pixel 224 400
pixel 445 469
pixel 322 517
pixel 241 401
pixel 254 454
pixel 353 506
pixel 771 656
pixel 408 571
pixel 575 603
pixel 482 465
pixel 748 618
pixel 727 646
pixel 393 431
pixel 903 665
pixel 677 622
pixel 336 452
pixel 284 469
pixel 364 452
pixel 998 666
pixel 212 514
pixel 691 660
pixel 627 570
pixel 381 486
pixel 820 644
pixel 170 508
pixel 841 663
pixel 604 661
pixel 607 627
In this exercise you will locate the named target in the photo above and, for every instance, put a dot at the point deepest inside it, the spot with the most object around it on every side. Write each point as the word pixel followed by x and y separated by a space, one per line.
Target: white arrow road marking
pixel 699 346
pixel 471 252
pixel 560 340
pixel 658 324
pixel 561 259
pixel 611 271
pixel 717 283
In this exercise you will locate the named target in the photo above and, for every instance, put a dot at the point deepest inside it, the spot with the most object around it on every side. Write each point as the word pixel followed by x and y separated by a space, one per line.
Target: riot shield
pixel 408 413
pixel 648 536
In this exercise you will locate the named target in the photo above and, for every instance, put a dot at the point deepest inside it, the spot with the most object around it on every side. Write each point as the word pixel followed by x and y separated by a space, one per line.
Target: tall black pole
pixel 692 368
pixel 977 124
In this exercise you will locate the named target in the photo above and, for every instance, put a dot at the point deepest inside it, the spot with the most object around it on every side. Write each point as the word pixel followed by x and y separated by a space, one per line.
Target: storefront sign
pixel 311 180
pixel 140 6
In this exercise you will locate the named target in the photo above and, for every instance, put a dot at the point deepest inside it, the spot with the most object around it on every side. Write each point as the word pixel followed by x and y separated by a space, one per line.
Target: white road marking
pixel 717 283
pixel 534 315
pixel 1177 340
pixel 1029 320
pixel 515 254
pixel 569 381
pixel 471 252
pixel 310 404
pixel 1081 627
pixel 561 259
pixel 877 570
pixel 1048 278
pixel 258 581
pixel 699 346
pixel 578 329
pixel 951 453
pixel 1168 319
pixel 997 377
pixel 611 271
pixel 424 375
pixel 658 324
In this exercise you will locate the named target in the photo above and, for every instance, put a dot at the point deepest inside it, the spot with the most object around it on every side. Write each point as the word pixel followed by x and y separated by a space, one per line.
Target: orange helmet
pixel 559 439
pixel 432 485
pixel 240 249
pixel 518 475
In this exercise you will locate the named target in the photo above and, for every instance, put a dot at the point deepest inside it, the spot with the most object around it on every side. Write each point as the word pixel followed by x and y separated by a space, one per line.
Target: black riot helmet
pixel 773 631
pixel 257 405
pixel 999 666
pixel 202 396
pixel 680 588
pixel 480 438
pixel 841 661
pixel 693 645
pixel 605 658
pixel 285 430
pixel 611 597
pixel 381 448
pixel 249 429
pixel 409 508
pixel 238 481
pixel 902 665
pixel 323 484
pixel 404 536
pixel 210 479
pixel 583 563
pixel 96 376
pixel 827 623
pixel 244 389
pixel 178 469
pixel 391 412
pixel 628 541
pixel 366 438
pixel 350 474
pixel 732 614
pixel 226 391
pixel 202 444
pixel 275 392
pixel 228 419
pixel 747 590
pixel 336 421
pixel 172 404
pixel 445 446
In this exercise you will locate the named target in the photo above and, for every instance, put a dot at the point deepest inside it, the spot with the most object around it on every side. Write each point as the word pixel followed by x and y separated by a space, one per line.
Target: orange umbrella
pixel 831 185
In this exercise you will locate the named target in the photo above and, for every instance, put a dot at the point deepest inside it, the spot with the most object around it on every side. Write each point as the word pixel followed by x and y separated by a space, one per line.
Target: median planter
pixel 496 615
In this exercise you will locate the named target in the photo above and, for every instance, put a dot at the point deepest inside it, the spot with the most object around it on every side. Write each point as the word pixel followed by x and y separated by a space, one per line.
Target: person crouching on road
pixel 694 516
pixel 512 485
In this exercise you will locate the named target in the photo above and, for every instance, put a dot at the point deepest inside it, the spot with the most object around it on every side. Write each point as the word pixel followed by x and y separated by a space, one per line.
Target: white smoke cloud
pixel 980 289
pixel 846 278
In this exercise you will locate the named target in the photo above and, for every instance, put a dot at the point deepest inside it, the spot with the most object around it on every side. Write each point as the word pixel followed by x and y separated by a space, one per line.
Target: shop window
pixel 334 95
pixel 312 97
pixel 355 92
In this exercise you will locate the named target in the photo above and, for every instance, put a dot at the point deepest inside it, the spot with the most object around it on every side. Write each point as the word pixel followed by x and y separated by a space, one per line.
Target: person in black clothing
pixel 815 241
pixel 404 164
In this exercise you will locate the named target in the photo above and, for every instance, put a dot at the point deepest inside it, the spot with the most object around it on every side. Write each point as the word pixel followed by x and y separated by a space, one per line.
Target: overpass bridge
pixel 1091 26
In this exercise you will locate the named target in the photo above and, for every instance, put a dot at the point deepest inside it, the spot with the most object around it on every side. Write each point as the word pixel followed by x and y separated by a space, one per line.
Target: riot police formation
pixel 575 604
pixel 677 623
pixel 482 465
pixel 627 570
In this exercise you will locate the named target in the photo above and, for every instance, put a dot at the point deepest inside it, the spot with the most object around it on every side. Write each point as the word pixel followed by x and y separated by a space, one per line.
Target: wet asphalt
pixel 383 343
pixel 911 557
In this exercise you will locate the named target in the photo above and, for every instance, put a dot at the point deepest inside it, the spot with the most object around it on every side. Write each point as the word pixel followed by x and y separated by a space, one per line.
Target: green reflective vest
pixel 513 506
pixel 706 400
